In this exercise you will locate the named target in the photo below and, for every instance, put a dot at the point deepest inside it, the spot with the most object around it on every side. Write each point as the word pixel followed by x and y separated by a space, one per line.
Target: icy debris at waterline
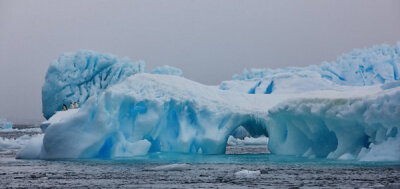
pixel 247 174
pixel 171 167
pixel 157 113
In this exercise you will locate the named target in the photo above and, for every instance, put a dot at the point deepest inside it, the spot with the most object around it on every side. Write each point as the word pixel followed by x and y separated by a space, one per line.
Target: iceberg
pixel 302 112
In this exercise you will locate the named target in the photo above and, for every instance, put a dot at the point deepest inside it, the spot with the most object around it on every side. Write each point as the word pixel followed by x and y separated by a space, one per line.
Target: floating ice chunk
pixel 247 174
pixel 6 125
pixel 171 167
pixel 167 70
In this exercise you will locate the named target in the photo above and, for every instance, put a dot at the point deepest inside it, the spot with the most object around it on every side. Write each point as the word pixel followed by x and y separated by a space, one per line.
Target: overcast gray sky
pixel 210 40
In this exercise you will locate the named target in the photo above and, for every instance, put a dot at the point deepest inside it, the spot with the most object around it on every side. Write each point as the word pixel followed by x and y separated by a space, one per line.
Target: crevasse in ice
pixel 302 111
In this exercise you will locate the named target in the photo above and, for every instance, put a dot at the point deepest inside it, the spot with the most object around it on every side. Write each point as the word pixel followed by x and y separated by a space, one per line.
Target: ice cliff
pixel 334 110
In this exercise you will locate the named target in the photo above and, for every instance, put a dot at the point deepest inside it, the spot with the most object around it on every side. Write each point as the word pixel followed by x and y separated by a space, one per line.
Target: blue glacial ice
pixel 167 70
pixel 75 77
pixel 5 125
pixel 301 111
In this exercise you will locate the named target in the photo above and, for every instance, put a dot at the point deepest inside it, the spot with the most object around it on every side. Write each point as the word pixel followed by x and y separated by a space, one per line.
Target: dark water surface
pixel 198 171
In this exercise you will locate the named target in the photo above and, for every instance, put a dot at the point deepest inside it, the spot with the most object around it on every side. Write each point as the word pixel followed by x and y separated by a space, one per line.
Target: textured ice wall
pixel 155 113
pixel 74 77
pixel 361 67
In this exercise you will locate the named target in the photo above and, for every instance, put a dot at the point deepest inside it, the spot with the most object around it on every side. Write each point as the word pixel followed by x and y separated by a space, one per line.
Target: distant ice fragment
pixel 247 174
pixel 171 167
pixel 167 70
pixel 6 125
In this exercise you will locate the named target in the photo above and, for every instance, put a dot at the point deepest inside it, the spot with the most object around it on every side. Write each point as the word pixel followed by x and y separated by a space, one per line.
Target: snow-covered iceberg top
pixel 302 112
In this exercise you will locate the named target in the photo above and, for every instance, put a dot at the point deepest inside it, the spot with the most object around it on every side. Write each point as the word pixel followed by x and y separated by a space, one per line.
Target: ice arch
pixel 158 113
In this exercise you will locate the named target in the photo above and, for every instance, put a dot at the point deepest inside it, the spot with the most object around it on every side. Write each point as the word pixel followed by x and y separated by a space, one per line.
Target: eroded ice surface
pixel 74 77
pixel 344 110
